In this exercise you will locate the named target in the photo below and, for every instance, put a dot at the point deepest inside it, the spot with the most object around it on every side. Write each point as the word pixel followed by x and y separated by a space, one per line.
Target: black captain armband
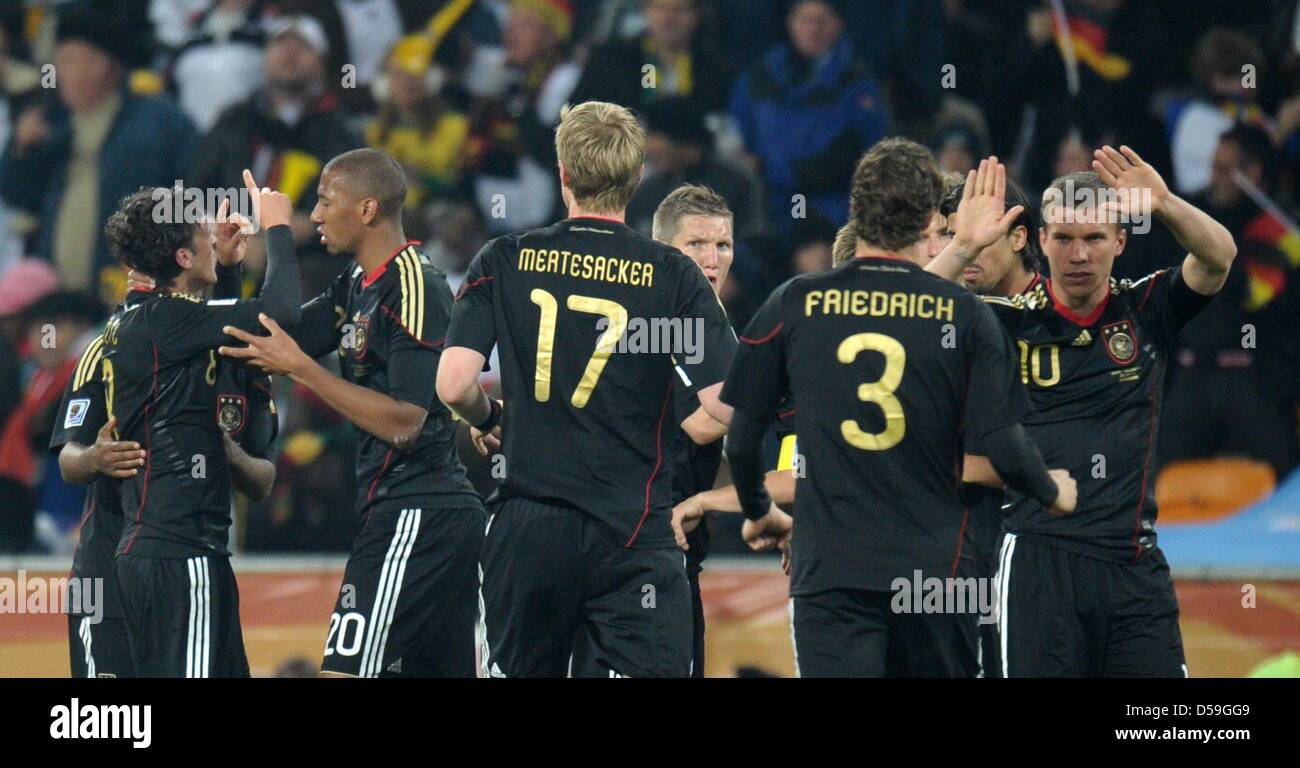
pixel 494 416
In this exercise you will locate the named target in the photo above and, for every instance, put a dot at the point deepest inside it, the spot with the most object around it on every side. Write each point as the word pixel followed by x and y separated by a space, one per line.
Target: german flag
pixel 1089 41
pixel 1266 279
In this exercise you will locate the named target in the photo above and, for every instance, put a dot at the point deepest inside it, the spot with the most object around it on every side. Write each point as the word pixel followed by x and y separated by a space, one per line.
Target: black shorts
pixel 552 576
pixel 408 604
pixel 855 633
pixel 98 649
pixel 584 652
pixel 182 616
pixel 1064 614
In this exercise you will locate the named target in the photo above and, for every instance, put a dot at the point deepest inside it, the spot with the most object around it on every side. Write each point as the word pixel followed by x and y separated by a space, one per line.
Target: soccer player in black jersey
pixel 1006 267
pixel 1091 594
pixel 887 363
pixel 580 536
pixel 407 605
pixel 159 368
pixel 88 453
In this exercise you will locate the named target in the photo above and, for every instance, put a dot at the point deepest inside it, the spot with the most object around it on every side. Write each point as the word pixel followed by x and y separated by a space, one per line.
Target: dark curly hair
pixel 897 187
pixel 145 234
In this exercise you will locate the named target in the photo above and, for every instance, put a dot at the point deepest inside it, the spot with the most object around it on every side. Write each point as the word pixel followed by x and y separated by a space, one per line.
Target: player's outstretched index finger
pixel 239 333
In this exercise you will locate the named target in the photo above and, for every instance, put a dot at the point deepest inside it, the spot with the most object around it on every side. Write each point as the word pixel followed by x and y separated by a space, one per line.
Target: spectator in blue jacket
pixel 71 160
pixel 806 112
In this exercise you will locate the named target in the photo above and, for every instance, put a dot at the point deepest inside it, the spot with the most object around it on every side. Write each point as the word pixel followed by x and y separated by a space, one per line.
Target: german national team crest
pixel 231 410
pixel 1121 342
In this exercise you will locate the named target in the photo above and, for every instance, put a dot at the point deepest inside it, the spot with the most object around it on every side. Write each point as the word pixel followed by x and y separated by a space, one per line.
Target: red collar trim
pixel 1038 278
pixel 1073 316
pixel 600 218
pixel 369 279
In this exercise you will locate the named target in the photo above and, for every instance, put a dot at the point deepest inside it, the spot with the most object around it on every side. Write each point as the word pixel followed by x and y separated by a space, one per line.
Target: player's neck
pixel 185 284
pixel 375 251
pixel 577 211
pixel 1016 282
pixel 1086 304
pixel 865 250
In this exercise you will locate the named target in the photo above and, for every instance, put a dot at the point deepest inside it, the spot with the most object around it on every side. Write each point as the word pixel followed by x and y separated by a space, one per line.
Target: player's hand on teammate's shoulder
pixel 1125 171
pixel 1068 493
pixel 982 215
pixel 686 518
pixel 115 458
pixel 277 353
pixel 270 208
pixel 768 531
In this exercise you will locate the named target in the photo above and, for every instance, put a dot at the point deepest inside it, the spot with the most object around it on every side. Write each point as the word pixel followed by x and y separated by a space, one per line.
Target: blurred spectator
pixel 958 149
pixel 1226 95
pixel 1234 388
pixel 415 125
pixel 512 149
pixel 285 132
pixel 18 81
pixel 807 111
pixel 174 21
pixel 53 332
pixel 71 161
pixel 1121 52
pixel 812 243
pixel 220 63
pixel 679 150
pixel 682 65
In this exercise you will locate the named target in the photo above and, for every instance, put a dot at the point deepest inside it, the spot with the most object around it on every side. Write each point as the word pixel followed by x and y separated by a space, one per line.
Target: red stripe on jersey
pixel 766 338
pixel 599 218
pixel 469 285
pixel 387 458
pixel 398 320
pixel 1146 466
pixel 148 453
pixel 1150 284
pixel 659 460
pixel 370 279
pixel 1073 316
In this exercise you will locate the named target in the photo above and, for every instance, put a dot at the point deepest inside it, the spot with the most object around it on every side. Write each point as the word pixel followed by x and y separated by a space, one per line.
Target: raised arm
pixel 1210 247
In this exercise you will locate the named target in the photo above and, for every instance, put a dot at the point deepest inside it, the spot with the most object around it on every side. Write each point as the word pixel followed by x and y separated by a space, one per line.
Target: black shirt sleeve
pixel 263 423
pixel 715 343
pixel 472 322
pixel 758 382
pixel 415 319
pixel 995 397
pixel 1165 298
pixel 82 412
pixel 319 329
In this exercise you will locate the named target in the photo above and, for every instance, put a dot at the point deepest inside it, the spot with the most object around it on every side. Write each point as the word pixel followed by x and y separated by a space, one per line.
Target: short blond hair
pixel 846 245
pixel 686 200
pixel 602 147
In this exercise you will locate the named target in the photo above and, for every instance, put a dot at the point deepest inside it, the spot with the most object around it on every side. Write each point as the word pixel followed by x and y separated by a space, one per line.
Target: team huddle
pixel 939 404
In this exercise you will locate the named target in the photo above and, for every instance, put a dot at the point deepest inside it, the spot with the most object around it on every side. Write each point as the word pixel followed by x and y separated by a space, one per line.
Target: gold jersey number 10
pixel 617 316
pixel 880 392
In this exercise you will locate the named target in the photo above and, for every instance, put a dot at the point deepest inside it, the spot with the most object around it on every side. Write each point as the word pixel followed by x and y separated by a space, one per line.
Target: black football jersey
pixel 389 330
pixel 888 365
pixel 243 407
pixel 695 469
pixel 1094 386
pixel 589 318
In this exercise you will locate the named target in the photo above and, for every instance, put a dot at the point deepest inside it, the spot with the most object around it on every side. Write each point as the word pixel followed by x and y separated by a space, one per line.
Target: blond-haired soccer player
pixel 595 327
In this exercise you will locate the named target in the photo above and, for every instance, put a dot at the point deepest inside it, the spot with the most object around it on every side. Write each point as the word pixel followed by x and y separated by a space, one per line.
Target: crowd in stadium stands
pixel 769 102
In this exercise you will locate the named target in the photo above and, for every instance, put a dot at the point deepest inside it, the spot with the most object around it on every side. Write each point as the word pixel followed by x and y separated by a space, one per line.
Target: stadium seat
pixel 1202 490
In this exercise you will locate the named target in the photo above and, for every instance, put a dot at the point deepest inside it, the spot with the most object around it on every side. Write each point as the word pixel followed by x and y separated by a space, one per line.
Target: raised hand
pixel 270 208
pixel 982 216
pixel 232 231
pixel 1126 172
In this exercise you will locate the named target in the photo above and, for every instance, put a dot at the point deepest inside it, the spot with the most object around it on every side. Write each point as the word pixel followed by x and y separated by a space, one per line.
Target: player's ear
pixel 369 210
pixel 564 175
pixel 185 258
pixel 1019 238
pixel 1122 237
